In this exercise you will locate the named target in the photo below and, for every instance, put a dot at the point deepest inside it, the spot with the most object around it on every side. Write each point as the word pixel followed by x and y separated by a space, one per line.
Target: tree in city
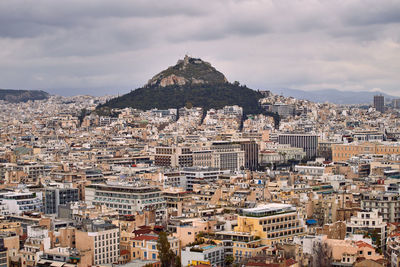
pixel 321 254
pixel 229 260
pixel 165 253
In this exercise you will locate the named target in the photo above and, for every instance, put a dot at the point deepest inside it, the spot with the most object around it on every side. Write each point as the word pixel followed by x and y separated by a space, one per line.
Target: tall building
pixel 308 142
pixel 59 195
pixel 250 149
pixel 396 103
pixel 379 103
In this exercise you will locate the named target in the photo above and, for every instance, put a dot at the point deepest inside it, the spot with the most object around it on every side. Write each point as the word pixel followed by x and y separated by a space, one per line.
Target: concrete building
pixel 379 103
pixel 173 157
pixel 20 201
pixel 250 149
pixel 210 254
pixel 227 156
pixel 59 194
pixel 387 204
pixel 308 142
pixel 127 198
pixel 273 223
pixel 368 223
pixel 343 152
pixel 145 247
pixel 200 176
pixel 101 239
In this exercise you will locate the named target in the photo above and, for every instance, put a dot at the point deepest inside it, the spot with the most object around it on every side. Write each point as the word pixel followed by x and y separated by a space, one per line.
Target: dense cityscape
pixel 318 187
pixel 201 133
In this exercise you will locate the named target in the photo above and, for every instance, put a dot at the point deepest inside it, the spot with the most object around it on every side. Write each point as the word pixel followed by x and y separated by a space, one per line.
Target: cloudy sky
pixel 102 46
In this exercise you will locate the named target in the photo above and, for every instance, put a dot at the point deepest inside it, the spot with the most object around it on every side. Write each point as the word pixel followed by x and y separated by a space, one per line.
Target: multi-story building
pixel 200 176
pixel 101 239
pixel 202 158
pixel 59 194
pixel 173 157
pixel 3 254
pixel 369 223
pixel 283 110
pixel 272 223
pixel 20 201
pixel 308 142
pixel 145 247
pixel 210 254
pixel 227 156
pixel 387 204
pixel 127 198
pixel 38 240
pixel 343 152
pixel 379 103
pixel 250 149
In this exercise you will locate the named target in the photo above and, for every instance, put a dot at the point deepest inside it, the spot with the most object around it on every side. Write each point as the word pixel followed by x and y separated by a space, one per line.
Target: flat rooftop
pixel 269 209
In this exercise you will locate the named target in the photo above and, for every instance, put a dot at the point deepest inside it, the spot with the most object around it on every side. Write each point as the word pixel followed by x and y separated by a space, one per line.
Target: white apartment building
pixel 204 253
pixel 20 201
pixel 127 198
pixel 368 222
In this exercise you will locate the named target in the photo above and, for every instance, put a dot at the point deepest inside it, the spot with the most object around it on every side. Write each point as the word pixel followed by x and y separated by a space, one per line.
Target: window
pixel 369 253
pixel 153 246
pixel 145 255
pixel 154 256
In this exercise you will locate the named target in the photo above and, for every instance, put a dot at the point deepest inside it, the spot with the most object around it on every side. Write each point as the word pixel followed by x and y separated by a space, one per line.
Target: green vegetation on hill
pixel 16 96
pixel 192 82
pixel 206 96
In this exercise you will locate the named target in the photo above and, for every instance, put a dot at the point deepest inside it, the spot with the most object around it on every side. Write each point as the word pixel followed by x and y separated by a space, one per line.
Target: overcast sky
pixel 109 47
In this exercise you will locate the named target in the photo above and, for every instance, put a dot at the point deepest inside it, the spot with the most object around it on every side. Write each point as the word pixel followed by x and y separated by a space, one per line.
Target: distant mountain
pixel 332 96
pixel 16 96
pixel 192 81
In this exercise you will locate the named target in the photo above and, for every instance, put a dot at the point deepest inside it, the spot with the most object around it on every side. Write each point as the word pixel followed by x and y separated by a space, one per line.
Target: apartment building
pixel 173 157
pixel 368 223
pixel 205 253
pixel 197 175
pixel 387 204
pixel 101 239
pixel 272 223
pixel 145 246
pixel 127 198
pixel 18 202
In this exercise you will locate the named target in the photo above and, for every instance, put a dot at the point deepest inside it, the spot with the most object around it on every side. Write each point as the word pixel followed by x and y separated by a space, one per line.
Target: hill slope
pixel 16 96
pixel 190 81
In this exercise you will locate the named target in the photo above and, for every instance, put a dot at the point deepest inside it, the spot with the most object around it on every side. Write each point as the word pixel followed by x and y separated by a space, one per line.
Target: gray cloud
pixel 104 46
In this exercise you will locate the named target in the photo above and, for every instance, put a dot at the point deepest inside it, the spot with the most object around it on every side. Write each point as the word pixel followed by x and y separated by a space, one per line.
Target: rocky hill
pixel 16 96
pixel 192 81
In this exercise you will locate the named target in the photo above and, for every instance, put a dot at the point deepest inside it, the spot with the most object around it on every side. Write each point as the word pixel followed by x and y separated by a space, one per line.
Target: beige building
pixel 102 240
pixel 272 223
pixel 343 152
